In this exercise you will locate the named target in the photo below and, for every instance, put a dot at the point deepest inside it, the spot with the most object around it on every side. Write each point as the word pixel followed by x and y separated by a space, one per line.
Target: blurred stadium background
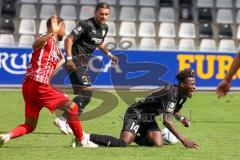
pixel 201 34
pixel 206 25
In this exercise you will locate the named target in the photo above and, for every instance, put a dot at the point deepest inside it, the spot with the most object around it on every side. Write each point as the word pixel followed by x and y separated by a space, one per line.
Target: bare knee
pixel 155 138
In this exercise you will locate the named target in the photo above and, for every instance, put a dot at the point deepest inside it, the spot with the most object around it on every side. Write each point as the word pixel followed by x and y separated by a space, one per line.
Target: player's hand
pixel 55 25
pixel 186 122
pixel 189 144
pixel 70 65
pixel 223 88
pixel 114 59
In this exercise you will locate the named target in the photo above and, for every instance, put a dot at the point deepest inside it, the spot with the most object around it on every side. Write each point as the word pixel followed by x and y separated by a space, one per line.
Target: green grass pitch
pixel 215 126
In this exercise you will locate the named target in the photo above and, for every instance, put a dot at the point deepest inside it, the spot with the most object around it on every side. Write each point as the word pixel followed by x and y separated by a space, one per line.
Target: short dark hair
pixel 49 23
pixel 103 5
pixel 182 75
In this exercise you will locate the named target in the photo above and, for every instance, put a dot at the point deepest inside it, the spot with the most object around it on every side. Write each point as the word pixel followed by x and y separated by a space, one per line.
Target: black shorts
pixel 79 78
pixel 139 123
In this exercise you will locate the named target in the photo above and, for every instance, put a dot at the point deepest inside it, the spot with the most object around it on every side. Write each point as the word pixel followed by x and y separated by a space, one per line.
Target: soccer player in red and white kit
pixel 37 91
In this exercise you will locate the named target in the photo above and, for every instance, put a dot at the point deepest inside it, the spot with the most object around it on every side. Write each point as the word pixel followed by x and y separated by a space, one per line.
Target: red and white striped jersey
pixel 43 62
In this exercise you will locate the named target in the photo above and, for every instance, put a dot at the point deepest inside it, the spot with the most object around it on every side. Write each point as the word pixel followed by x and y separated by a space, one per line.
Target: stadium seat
pixel 147 29
pixel 128 14
pixel 167 44
pixel 110 2
pixel 205 3
pixel 208 45
pixel 238 17
pixel 147 14
pixel 6 25
pixel 110 43
pixel 47 10
pixel 29 1
pixel 86 12
pixel 27 26
pixel 6 40
pixel 185 3
pixel 68 12
pixel 224 4
pixel 186 14
pixel 150 3
pixel 166 14
pixel 187 30
pixel 8 9
pixel 166 3
pixel 128 29
pixel 69 26
pixel 224 16
pixel 26 41
pixel 49 1
pixel 237 5
pixel 147 44
pixel 88 2
pixel 225 31
pixel 205 30
pixel 127 2
pixel 129 43
pixel 238 32
pixel 187 45
pixel 112 15
pixel 28 11
pixel 42 27
pixel 226 45
pixel 167 30
pixel 205 15
pixel 68 2
pixel 111 29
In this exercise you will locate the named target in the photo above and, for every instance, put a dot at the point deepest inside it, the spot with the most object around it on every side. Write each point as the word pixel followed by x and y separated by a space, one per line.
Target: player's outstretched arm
pixel 225 84
pixel 41 41
pixel 103 48
pixel 181 118
pixel 167 122
pixel 68 49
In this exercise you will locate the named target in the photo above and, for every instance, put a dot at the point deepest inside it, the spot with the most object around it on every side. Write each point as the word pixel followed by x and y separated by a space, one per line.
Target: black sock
pixel 105 140
pixel 142 141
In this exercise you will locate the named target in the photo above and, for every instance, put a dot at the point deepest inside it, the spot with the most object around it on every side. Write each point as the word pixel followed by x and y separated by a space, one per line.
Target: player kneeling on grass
pixel 37 91
pixel 140 125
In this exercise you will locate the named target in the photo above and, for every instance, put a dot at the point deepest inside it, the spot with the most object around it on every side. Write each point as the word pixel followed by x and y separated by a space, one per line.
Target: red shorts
pixel 38 95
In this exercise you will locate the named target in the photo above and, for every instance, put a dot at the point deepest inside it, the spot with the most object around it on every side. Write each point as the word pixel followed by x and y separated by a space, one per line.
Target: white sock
pixel 63 119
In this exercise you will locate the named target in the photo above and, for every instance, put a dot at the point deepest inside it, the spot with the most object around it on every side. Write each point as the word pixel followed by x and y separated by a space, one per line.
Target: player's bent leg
pixel 74 123
pixel 155 137
pixel 83 98
pixel 127 136
pixel 29 125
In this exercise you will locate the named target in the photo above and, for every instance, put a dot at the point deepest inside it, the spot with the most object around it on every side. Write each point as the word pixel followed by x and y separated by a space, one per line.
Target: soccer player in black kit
pixel 140 125
pixel 79 46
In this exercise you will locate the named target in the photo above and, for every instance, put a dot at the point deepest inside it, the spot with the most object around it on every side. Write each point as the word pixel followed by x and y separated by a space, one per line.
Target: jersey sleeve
pixel 78 31
pixel 168 104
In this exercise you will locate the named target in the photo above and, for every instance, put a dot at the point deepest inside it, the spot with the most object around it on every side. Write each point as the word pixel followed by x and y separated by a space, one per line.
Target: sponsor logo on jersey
pixel 97 40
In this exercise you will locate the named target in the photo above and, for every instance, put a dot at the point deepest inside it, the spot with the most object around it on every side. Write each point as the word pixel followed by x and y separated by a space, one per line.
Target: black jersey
pixel 165 100
pixel 88 35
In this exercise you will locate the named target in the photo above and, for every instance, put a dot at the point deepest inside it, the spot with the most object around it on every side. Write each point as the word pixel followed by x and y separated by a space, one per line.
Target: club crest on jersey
pixel 170 106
